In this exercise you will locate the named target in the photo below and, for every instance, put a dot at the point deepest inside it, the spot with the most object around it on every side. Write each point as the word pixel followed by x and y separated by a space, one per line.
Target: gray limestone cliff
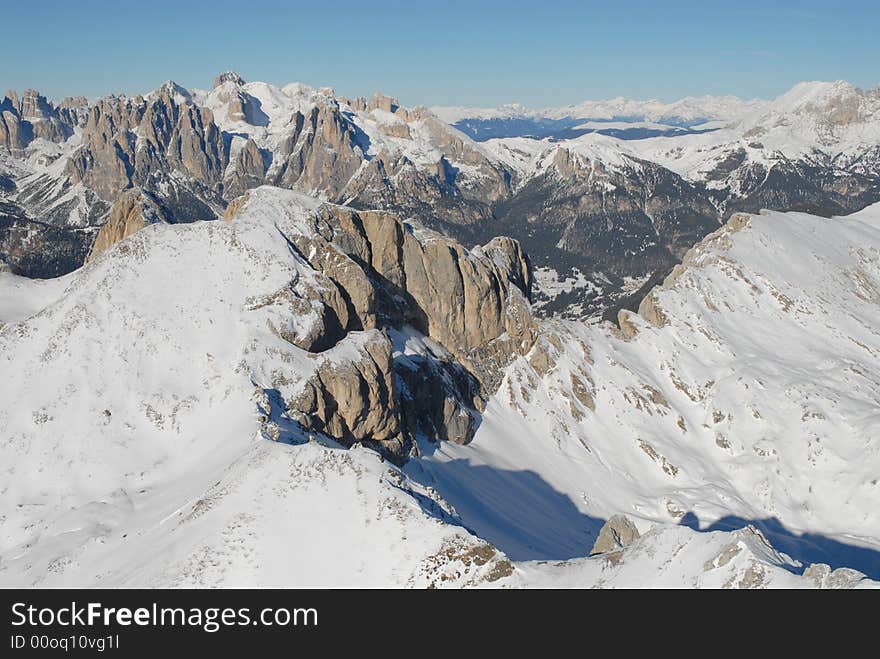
pixel 378 278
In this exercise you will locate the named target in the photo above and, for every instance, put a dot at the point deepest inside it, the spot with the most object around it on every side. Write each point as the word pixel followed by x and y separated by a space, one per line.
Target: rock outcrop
pixel 472 302
pixel 228 76
pixel 132 211
pixel 603 217
pixel 353 398
pixel 616 533
pixel 319 152
pixel 42 117
pixel 32 116
pixel 10 127
pixel 240 106
pixel 374 277
pixel 380 101
pixel 247 169
pixel 168 144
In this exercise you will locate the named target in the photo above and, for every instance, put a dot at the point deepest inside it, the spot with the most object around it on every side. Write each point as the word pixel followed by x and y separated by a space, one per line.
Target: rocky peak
pixel 34 105
pixel 126 141
pixel 320 151
pixel 375 277
pixel 74 102
pixel 240 106
pixel 172 90
pixel 131 212
pixel 358 104
pixel 12 97
pixel 230 77
pixel 380 101
pixel 571 165
pixel 247 168
pixel 618 532
pixel 10 128
pixel 31 117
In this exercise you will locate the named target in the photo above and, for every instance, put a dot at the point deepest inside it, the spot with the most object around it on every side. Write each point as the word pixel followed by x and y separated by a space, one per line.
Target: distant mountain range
pixel 618 117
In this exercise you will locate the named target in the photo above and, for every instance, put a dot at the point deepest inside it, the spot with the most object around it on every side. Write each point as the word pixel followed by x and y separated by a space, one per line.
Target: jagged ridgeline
pixel 600 213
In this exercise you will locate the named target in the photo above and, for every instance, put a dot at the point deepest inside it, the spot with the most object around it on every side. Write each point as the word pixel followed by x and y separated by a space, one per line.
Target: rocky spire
pixel 34 105
pixel 174 133
pixel 380 101
pixel 228 76
pixel 171 89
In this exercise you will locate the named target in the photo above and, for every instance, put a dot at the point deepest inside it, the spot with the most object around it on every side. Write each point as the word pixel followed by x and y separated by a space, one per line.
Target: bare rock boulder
pixel 616 533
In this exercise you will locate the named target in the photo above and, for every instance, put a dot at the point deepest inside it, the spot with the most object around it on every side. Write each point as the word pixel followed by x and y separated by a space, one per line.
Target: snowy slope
pixel 677 557
pixel 21 297
pixel 133 450
pixel 751 397
pixel 135 412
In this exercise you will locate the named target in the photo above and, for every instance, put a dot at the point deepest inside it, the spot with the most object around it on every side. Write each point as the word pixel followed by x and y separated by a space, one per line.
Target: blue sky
pixel 443 52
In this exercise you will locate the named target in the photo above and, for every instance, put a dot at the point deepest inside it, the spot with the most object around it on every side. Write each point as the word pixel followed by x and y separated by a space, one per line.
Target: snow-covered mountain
pixel 220 432
pixel 815 148
pixel 606 197
pixel 742 391
pixel 622 117
pixel 187 154
pixel 687 109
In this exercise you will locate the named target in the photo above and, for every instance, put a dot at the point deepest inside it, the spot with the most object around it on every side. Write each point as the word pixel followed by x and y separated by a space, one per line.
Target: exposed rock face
pixel 823 576
pixel 247 169
pixel 129 142
pixel 10 127
pixel 467 301
pixel 228 76
pixel 34 117
pixel 36 110
pixel 381 102
pixel 397 129
pixel 439 398
pixel 324 151
pixel 375 276
pixel 395 183
pixel 492 183
pixel 132 211
pixel 235 207
pixel 616 533
pixel 168 145
pixel 241 106
pixel 353 399
pixel 104 161
pixel 607 219
pixel 319 152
